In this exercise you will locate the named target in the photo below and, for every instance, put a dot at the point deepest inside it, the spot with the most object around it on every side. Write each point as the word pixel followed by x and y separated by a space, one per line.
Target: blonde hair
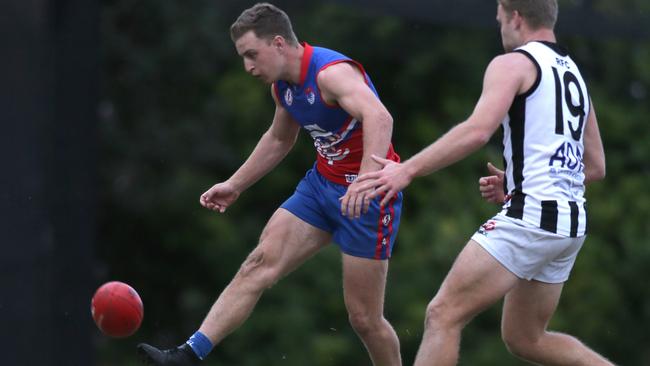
pixel 538 13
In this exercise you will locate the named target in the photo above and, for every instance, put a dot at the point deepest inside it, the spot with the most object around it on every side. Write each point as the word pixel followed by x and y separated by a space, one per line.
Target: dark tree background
pixel 176 113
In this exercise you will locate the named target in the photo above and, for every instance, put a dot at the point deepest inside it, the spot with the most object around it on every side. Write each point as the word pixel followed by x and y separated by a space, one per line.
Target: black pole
pixel 49 74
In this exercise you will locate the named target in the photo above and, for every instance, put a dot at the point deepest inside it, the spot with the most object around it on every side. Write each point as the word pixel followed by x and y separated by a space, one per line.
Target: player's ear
pixel 278 42
pixel 517 18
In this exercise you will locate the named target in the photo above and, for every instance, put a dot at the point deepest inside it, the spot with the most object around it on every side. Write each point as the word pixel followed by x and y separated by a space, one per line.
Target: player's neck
pixel 294 63
pixel 542 34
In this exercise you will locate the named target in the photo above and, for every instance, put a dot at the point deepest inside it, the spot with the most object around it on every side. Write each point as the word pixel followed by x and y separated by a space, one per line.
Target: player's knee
pixel 520 346
pixel 362 323
pixel 256 269
pixel 438 315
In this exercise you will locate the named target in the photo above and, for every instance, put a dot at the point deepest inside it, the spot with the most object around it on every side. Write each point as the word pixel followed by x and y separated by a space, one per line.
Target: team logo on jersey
pixel 326 142
pixel 311 97
pixel 488 226
pixel 384 242
pixel 288 97
pixel 386 220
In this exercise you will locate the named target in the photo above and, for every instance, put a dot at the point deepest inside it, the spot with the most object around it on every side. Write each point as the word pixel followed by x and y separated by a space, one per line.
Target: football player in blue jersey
pixel 552 147
pixel 334 100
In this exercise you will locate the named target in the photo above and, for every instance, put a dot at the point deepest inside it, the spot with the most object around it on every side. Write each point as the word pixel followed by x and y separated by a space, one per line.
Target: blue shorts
pixel 316 201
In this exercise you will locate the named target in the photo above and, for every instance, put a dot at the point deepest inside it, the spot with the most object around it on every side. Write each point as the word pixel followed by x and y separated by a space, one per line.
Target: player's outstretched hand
pixel 491 186
pixel 390 180
pixel 219 197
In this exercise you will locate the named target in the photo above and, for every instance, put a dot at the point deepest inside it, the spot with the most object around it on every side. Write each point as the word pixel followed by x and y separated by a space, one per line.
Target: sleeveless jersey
pixel 338 137
pixel 543 145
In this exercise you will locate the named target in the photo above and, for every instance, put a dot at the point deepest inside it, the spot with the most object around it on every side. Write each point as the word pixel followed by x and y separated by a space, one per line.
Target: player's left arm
pixel 344 84
pixel 594 157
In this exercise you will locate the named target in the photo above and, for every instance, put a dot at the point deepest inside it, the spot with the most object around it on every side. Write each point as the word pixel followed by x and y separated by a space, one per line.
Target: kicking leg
pixel 364 283
pixel 475 281
pixel 527 309
pixel 285 244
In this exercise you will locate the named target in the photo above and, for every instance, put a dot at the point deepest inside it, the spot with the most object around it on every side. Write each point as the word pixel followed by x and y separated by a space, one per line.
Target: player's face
pixel 262 59
pixel 508 29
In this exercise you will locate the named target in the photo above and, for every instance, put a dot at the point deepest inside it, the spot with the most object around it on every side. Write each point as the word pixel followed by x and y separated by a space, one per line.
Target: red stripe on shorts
pixel 380 232
pixel 390 225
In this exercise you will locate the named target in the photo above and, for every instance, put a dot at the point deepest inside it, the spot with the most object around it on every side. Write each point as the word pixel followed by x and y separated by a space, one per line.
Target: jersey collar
pixel 306 60
pixel 555 47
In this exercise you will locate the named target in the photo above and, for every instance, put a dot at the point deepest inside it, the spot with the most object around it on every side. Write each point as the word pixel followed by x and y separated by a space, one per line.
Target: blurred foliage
pixel 179 114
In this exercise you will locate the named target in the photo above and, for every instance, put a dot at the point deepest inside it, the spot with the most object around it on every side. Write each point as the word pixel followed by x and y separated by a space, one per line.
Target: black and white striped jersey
pixel 543 145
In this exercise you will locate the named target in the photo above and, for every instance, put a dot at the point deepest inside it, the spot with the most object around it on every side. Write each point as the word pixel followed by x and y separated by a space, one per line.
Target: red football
pixel 117 309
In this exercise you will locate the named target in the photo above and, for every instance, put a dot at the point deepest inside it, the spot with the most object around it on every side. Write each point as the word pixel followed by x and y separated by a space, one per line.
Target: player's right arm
pixel 272 147
pixel 505 77
pixel 594 158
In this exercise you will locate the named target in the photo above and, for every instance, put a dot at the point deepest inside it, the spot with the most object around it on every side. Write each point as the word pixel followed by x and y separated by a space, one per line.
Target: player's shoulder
pixel 512 61
pixel 340 68
pixel 339 73
pixel 511 64
pixel 511 71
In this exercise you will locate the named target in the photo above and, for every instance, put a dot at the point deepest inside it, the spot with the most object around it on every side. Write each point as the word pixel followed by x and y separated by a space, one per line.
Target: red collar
pixel 306 59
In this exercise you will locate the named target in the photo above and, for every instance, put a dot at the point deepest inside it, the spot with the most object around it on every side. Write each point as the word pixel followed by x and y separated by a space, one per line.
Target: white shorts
pixel 528 251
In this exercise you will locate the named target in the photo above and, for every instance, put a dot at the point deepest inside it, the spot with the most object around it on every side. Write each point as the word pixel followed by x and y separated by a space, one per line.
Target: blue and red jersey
pixel 338 137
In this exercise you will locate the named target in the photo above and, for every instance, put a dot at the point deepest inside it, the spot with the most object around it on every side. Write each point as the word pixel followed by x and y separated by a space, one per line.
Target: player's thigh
pixel 476 280
pixel 287 241
pixel 528 308
pixel 364 284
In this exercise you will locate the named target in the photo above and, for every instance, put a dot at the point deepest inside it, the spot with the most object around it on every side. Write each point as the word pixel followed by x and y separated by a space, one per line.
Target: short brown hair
pixel 538 13
pixel 266 21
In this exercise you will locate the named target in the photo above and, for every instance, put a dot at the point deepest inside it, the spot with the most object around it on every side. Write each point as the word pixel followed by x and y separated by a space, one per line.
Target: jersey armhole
pixel 538 79
pixel 349 61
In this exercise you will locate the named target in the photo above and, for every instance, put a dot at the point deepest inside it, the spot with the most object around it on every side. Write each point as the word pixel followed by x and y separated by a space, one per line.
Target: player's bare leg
pixel 285 243
pixel 527 309
pixel 364 283
pixel 475 281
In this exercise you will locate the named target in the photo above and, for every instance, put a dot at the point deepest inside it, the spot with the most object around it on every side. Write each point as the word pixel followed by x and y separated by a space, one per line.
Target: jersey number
pixel 566 90
pixel 568 87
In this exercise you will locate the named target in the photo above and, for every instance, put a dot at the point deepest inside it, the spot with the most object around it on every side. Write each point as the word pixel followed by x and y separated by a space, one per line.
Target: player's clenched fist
pixel 219 197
